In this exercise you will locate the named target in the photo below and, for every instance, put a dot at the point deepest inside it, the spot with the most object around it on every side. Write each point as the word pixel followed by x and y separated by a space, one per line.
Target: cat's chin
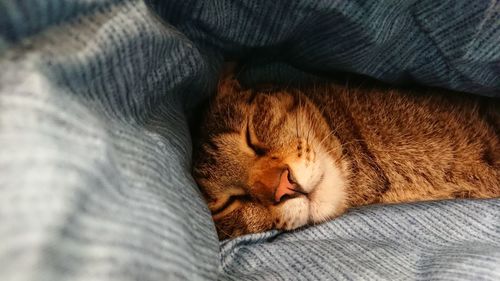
pixel 328 198
pixel 324 184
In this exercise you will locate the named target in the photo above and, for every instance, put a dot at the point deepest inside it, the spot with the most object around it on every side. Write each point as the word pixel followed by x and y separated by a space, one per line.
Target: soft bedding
pixel 95 148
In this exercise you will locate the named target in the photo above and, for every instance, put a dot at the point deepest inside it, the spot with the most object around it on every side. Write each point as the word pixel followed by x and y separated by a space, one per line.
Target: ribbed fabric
pixel 94 162
pixel 453 240
pixel 451 44
pixel 95 151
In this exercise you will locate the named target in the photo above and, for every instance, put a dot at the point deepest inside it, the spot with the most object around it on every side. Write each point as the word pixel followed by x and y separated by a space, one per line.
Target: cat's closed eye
pixel 258 150
pixel 232 199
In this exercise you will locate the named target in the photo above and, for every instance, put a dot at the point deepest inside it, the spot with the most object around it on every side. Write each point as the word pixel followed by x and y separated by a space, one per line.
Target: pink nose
pixel 285 187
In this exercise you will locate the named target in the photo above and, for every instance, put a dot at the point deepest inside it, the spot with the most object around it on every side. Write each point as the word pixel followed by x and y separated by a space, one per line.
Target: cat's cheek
pixel 292 214
pixel 255 218
pixel 328 200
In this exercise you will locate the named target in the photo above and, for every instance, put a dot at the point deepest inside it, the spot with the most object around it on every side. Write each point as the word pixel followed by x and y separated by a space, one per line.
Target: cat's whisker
pixel 297 125
pixel 300 111
pixel 332 132
pixel 224 232
pixel 322 110
pixel 309 131
pixel 342 145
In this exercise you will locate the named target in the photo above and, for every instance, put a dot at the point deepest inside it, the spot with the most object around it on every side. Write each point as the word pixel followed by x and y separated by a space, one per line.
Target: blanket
pixel 95 149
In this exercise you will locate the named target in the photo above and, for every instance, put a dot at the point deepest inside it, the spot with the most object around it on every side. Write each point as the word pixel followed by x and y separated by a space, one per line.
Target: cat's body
pixel 284 159
pixel 415 147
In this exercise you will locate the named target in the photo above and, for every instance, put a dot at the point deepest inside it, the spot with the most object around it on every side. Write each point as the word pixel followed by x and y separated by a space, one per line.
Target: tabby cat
pixel 282 159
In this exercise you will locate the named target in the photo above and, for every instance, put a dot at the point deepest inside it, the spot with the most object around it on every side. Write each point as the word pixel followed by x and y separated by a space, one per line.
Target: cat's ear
pixel 228 85
pixel 228 70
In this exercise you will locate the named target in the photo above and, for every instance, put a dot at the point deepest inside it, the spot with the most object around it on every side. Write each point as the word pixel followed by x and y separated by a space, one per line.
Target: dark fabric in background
pixel 451 44
pixel 95 153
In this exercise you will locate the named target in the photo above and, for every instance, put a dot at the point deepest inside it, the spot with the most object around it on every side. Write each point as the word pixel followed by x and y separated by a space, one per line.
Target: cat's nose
pixel 286 187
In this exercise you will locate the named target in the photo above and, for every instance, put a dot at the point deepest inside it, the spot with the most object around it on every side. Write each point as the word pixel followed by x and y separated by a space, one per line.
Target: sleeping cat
pixel 282 159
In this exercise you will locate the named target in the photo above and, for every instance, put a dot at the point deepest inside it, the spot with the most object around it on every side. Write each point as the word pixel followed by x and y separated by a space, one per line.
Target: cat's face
pixel 268 161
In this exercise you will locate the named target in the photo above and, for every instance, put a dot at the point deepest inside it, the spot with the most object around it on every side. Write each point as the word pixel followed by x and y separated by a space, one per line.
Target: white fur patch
pixel 328 197
pixel 293 214
pixel 325 185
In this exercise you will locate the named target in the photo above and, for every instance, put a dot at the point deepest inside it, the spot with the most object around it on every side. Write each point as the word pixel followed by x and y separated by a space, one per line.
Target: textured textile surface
pixel 426 241
pixel 95 150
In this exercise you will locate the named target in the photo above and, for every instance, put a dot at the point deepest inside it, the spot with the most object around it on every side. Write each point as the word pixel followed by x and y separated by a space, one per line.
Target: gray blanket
pixel 95 150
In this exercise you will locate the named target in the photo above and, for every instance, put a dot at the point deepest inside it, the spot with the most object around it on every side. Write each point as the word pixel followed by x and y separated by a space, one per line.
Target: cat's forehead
pixel 243 102
pixel 225 115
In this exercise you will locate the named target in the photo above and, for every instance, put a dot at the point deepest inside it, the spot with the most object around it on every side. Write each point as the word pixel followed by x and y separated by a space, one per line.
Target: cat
pixel 290 157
